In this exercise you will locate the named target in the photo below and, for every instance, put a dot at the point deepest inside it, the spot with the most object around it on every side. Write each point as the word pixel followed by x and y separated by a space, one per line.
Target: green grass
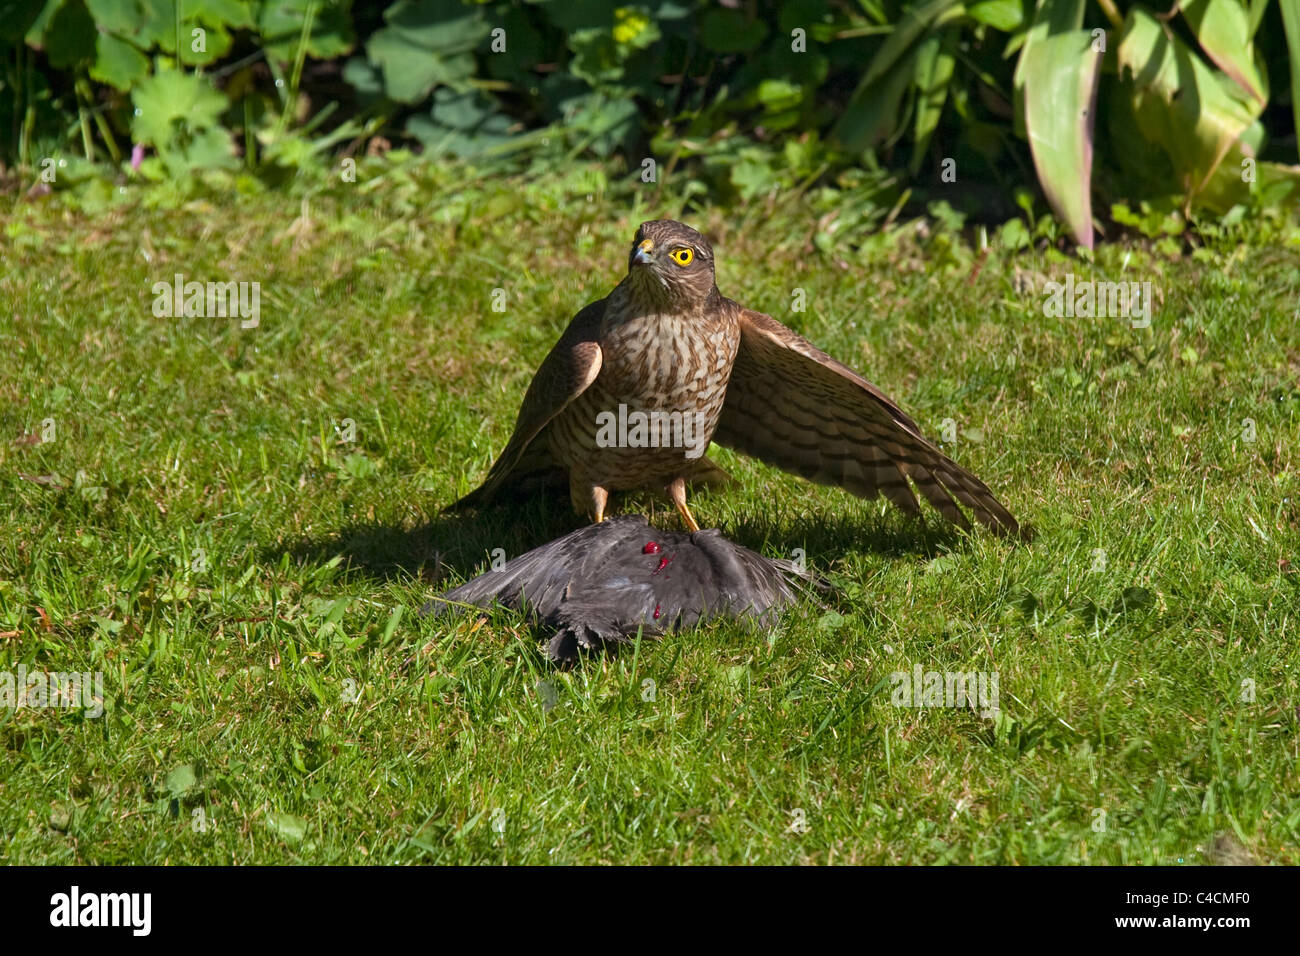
pixel 1120 688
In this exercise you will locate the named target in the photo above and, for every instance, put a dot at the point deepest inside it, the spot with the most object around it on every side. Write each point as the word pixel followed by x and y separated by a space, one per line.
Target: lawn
pixel 236 526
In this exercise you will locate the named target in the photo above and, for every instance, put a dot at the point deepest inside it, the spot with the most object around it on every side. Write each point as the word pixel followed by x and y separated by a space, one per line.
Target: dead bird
pixel 602 583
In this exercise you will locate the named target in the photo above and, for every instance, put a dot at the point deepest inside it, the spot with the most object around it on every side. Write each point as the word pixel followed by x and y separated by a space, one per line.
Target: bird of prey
pixel 643 379
pixel 604 582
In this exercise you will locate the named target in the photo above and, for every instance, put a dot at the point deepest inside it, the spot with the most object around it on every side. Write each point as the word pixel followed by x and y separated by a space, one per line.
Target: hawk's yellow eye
pixel 682 256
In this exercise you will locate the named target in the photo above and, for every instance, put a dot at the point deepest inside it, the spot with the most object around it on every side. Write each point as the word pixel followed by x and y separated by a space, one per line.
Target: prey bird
pixel 605 582
pixel 667 346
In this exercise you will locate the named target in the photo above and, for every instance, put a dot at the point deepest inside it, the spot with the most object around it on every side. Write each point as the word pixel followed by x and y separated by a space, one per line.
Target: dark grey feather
pixel 598 585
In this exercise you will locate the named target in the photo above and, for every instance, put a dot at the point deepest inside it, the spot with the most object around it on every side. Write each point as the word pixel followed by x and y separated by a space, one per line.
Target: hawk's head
pixel 671 263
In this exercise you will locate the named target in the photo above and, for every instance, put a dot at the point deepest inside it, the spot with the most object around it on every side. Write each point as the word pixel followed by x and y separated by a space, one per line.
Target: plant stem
pixel 299 56
pixel 87 142
pixel 101 122
pixel 1112 13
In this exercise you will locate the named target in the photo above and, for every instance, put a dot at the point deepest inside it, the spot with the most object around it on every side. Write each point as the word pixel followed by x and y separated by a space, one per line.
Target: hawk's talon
pixel 677 492
pixel 691 523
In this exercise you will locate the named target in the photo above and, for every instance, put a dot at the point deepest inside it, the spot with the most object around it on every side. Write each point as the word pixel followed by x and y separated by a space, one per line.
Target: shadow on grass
pixel 453 548
pixel 440 552
pixel 826 539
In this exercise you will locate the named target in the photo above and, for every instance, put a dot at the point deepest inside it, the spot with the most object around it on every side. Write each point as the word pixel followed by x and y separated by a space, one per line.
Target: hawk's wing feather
pixel 566 372
pixel 793 406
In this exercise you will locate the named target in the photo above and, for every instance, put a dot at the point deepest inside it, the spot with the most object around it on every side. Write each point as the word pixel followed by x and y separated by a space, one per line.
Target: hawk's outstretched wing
pixel 793 406
pixel 566 372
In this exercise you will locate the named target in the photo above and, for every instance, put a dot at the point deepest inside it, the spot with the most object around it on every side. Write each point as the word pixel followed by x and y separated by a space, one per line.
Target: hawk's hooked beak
pixel 642 255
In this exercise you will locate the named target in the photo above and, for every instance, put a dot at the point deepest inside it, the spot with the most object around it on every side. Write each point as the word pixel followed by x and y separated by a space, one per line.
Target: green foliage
pixel 735 101
pixel 1175 115
pixel 426 44
pixel 1059 105
pixel 177 113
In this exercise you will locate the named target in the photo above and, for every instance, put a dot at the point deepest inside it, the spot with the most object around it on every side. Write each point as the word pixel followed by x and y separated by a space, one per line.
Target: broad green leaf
pixel 603 121
pixel 777 95
pixel 169 98
pixel 157 26
pixel 914 22
pixel 178 114
pixel 462 110
pixel 229 13
pixel 752 179
pixel 70 38
pixel 1016 41
pixel 807 14
pixel 117 62
pixel 118 16
pixel 1178 101
pixel 934 68
pixel 427 43
pixel 290 828
pixel 1004 15
pixel 1222 28
pixel 364 78
pixel 207 149
pixel 1060 74
pixel 873 112
pixel 1291 23
pixel 1012 235
pixel 216 44
pixel 1052 17
pixel 440 139
pixel 156 23
pixel 596 56
pixel 1255 15
pixel 181 780
pixel 412 70
pixel 280 24
pixel 874 115
pixel 444 26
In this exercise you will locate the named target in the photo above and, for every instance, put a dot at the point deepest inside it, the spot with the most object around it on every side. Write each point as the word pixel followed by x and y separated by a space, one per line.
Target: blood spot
pixel 650 548
pixel 663 562
pixel 656 612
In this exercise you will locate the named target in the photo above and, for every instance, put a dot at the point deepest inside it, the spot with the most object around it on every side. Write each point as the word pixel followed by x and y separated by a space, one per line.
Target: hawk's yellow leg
pixel 591 501
pixel 677 492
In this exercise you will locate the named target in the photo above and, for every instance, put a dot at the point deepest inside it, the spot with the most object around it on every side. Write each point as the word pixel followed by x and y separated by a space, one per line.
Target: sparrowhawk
pixel 643 379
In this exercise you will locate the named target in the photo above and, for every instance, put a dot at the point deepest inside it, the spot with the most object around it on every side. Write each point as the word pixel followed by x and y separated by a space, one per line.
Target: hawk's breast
pixel 656 401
